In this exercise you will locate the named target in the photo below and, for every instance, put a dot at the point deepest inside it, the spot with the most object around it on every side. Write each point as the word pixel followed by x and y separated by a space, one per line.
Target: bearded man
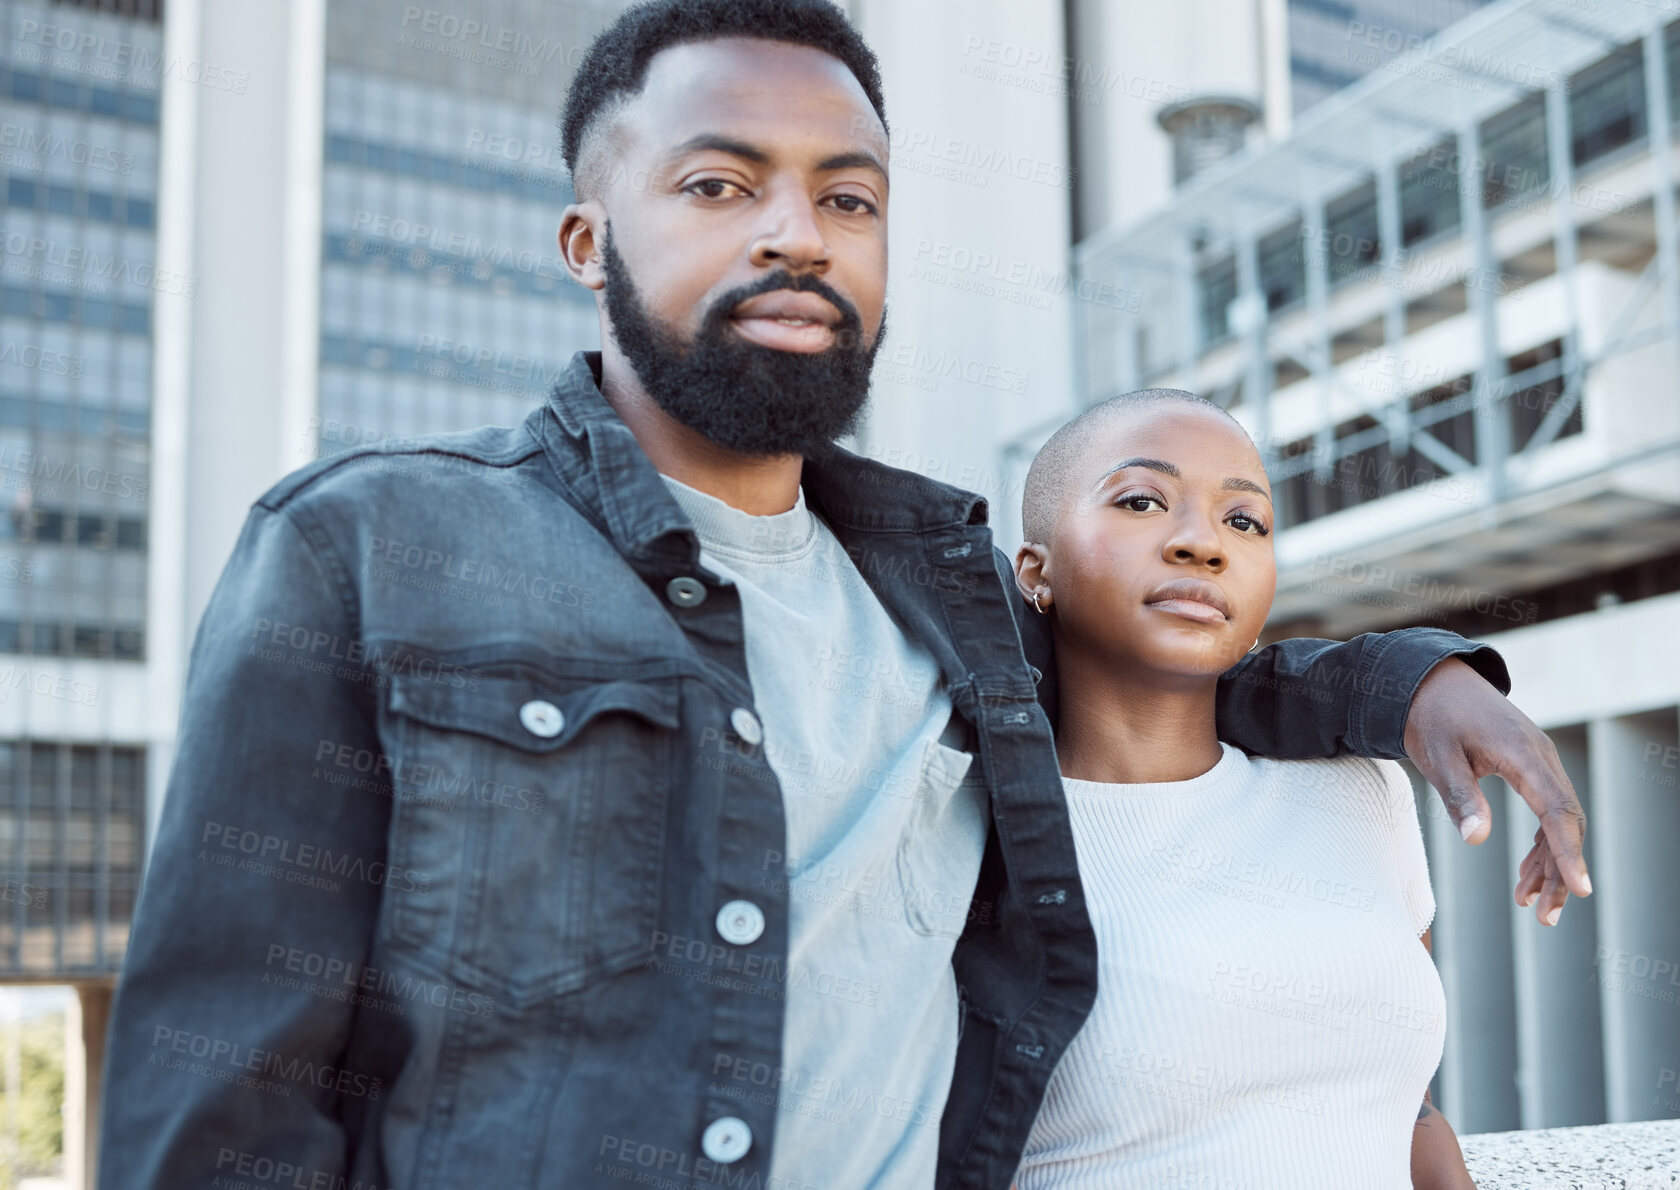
pixel 734 854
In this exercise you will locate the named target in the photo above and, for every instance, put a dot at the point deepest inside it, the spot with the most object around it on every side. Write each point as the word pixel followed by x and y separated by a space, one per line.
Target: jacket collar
pixel 613 481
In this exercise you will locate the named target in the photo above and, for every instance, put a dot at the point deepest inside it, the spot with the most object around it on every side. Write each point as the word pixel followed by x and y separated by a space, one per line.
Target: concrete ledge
pixel 1642 1156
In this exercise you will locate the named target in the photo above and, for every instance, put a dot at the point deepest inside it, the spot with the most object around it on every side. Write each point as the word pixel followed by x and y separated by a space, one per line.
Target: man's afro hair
pixel 617 62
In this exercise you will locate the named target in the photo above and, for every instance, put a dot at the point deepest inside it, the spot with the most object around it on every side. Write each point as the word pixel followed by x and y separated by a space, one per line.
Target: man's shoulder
pixel 419 467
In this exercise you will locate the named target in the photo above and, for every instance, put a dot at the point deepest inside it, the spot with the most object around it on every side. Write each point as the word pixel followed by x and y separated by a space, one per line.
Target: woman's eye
pixel 1244 523
pixel 1134 502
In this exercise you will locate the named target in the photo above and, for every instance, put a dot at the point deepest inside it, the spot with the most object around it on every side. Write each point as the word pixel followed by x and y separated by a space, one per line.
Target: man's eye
pixel 1132 503
pixel 853 205
pixel 1244 523
pixel 711 187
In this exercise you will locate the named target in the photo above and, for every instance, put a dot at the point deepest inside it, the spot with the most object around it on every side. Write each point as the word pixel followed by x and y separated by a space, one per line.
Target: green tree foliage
pixel 39 1103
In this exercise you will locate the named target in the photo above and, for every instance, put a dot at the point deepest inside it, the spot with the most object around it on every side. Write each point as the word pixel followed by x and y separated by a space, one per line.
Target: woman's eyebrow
pixel 1164 468
pixel 1245 485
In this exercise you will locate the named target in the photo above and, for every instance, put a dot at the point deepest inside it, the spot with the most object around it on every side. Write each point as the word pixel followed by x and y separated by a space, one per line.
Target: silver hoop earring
pixel 1036 607
pixel 1255 645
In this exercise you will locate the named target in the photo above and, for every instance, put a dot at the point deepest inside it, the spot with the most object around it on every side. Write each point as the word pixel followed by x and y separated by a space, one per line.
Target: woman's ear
pixel 1032 575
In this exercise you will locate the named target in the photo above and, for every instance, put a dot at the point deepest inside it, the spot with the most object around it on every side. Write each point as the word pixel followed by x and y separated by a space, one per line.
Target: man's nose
pixel 792 236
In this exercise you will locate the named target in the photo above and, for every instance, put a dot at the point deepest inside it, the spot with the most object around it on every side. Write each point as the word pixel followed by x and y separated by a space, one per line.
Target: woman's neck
pixel 1132 729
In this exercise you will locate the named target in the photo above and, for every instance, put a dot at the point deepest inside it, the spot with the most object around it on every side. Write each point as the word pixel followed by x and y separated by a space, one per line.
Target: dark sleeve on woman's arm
pixel 1303 698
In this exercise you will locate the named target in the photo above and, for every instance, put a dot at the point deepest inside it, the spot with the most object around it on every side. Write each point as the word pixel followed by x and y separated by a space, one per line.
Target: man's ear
pixel 1031 563
pixel 582 227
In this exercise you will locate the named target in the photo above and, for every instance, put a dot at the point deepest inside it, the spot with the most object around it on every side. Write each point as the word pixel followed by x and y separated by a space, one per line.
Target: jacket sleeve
pixel 221 1055
pixel 1303 698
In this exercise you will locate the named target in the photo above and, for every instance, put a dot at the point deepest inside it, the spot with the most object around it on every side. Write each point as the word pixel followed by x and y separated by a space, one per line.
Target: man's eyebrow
pixel 855 160
pixel 721 144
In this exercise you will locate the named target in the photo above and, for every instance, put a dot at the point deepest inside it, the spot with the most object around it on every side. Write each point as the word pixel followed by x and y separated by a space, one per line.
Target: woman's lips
pixel 1191 609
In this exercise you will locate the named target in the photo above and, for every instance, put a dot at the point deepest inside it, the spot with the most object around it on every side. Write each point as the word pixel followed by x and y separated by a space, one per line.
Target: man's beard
pixel 742 396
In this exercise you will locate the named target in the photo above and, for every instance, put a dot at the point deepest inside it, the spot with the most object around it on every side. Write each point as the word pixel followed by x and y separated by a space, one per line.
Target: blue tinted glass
pixel 137 212
pixel 136 320
pixel 26 86
pixel 53 417
pixel 137 424
pixel 338 149
pixel 106 102
pixel 14 411
pixel 97 312
pixel 62 94
pixel 143 108
pixel 20 192
pixel 101 207
pixel 61 200
pixel 55 307
pixel 15 302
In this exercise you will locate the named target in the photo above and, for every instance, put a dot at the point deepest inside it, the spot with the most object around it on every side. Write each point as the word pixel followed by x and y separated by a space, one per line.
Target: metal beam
pixel 1251 300
pixel 1479 294
pixel 1660 137
pixel 1397 414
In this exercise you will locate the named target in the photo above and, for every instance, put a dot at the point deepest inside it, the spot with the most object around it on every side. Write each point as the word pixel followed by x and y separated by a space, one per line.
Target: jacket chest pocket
pixel 530 816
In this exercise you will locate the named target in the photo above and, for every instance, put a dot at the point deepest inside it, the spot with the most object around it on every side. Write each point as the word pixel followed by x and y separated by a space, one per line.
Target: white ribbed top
pixel 1265 1015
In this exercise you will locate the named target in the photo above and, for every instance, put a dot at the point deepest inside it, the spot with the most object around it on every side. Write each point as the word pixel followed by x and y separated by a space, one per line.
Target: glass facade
pixel 1333 43
pixel 78 281
pixel 444 304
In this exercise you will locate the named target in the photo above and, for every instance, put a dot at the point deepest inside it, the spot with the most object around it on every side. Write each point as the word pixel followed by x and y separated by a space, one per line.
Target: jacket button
pixel 747 726
pixel 542 718
pixel 726 1141
pixel 740 923
pixel 685 591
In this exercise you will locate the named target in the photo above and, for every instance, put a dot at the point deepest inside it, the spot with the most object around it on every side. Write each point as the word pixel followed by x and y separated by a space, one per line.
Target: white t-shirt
pixel 1265 1014
pixel 886 825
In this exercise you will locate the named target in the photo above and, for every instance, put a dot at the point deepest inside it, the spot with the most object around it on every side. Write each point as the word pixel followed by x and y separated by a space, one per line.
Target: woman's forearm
pixel 1437 1161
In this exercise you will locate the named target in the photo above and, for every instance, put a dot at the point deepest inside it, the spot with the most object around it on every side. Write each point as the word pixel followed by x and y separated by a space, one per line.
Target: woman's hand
pixel 1460 729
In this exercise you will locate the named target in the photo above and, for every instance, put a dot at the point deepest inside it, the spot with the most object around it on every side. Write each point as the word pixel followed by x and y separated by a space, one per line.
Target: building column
pixel 1472 946
pixel 1560 1056
pixel 1636 830
pixel 235 369
pixel 85 1024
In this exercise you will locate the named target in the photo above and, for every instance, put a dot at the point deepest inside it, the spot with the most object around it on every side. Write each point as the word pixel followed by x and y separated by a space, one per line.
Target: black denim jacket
pixel 460 790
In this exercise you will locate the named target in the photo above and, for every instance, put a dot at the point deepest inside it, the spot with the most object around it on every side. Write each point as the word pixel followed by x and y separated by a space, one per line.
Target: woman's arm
pixel 1437 1161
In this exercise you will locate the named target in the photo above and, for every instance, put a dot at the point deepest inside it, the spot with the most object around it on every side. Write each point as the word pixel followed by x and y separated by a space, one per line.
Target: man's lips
pixel 787 320
pixel 1193 599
